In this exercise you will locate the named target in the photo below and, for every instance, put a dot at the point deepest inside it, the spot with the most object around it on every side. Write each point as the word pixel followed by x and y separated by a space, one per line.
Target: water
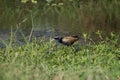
pixel 50 32
pixel 59 20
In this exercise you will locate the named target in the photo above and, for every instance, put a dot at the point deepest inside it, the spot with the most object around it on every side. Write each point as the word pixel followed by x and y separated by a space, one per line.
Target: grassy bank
pixel 41 60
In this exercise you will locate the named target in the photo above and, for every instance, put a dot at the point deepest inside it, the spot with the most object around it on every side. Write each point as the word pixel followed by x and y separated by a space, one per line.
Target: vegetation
pixel 41 60
pixel 48 60
pixel 79 15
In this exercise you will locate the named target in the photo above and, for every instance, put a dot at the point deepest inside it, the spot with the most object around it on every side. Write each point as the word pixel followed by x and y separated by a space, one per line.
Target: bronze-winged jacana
pixel 67 40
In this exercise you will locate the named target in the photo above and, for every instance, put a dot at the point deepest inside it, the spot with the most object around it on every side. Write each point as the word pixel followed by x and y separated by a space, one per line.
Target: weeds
pixel 48 60
pixel 45 59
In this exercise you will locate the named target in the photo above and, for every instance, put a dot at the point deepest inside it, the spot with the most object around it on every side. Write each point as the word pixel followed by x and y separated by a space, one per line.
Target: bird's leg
pixel 73 49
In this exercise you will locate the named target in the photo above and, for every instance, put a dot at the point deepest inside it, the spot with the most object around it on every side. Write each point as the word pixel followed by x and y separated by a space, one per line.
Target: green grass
pixel 41 60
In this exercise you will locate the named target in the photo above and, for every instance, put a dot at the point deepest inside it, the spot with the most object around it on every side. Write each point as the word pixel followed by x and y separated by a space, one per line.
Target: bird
pixel 67 40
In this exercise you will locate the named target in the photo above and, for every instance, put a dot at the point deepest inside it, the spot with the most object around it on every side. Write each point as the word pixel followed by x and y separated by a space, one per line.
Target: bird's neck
pixel 60 40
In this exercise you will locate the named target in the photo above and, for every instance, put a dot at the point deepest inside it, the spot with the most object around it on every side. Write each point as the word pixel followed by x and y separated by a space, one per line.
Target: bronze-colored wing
pixel 69 39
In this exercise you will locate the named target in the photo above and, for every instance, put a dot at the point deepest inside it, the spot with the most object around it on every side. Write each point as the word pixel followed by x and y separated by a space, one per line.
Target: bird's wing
pixel 69 39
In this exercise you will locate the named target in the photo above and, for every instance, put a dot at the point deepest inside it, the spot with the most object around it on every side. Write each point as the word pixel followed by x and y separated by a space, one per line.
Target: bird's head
pixel 58 38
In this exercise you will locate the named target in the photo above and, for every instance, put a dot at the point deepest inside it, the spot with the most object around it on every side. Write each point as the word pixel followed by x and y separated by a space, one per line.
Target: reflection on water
pixel 76 30
pixel 60 30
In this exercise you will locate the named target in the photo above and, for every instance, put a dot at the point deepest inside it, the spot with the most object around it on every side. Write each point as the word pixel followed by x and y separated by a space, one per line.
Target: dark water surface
pixel 39 31
pixel 48 32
